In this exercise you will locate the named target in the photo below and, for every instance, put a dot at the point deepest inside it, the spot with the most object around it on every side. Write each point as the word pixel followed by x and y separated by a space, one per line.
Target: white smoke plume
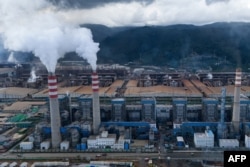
pixel 35 26
pixel 33 76
pixel 210 76
pixel 11 58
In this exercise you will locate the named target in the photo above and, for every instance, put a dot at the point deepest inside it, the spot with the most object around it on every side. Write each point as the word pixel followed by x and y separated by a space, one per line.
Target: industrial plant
pixel 121 109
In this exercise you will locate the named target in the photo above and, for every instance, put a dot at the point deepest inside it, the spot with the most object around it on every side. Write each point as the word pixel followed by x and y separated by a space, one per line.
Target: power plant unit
pixel 244 110
pixel 134 112
pixel 85 107
pixel 210 110
pixel 179 110
pixel 118 110
pixel 194 112
pixel 163 113
pixel 148 109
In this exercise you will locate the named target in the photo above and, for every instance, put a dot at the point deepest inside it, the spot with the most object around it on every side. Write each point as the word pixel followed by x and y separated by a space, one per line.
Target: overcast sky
pixel 154 12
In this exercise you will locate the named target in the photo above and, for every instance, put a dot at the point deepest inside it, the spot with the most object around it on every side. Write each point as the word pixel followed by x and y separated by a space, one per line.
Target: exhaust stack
pixel 96 103
pixel 236 105
pixel 54 111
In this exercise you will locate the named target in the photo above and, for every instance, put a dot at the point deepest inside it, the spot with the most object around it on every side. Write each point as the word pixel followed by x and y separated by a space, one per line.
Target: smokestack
pixel 54 111
pixel 223 101
pixel 236 105
pixel 222 128
pixel 96 103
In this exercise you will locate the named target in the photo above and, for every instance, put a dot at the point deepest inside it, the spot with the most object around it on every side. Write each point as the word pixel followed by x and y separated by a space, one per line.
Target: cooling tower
pixel 236 105
pixel 54 111
pixel 96 103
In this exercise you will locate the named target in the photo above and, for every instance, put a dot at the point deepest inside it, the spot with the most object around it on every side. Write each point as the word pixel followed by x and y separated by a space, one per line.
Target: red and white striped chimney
pixel 95 82
pixel 52 84
pixel 96 103
pixel 236 105
pixel 54 111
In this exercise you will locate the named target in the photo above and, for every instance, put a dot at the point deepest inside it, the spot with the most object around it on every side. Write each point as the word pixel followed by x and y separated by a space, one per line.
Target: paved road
pixel 177 155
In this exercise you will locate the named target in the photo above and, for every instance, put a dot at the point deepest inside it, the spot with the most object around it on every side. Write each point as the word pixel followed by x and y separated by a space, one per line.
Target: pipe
pixel 222 109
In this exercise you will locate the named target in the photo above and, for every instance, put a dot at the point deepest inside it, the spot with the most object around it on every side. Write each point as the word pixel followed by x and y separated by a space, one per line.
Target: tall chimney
pixel 236 105
pixel 96 103
pixel 54 111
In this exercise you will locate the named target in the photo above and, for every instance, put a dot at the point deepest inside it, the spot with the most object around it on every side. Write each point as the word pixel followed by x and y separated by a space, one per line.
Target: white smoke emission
pixel 33 76
pixel 34 26
pixel 12 59
pixel 210 76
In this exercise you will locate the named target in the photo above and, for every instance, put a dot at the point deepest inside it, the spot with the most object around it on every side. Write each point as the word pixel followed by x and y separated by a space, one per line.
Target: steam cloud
pixel 35 26
pixel 33 76
pixel 12 58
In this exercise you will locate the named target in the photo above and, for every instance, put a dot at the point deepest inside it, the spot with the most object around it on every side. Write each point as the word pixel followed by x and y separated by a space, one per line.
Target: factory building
pixel 118 112
pixel 229 143
pixel 85 107
pixel 204 139
pixel 210 110
pixel 148 109
pixel 106 140
pixel 87 101
pixel 163 113
pixel 179 110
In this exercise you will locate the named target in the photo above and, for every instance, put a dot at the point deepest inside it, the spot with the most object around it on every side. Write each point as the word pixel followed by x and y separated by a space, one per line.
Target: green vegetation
pixel 221 46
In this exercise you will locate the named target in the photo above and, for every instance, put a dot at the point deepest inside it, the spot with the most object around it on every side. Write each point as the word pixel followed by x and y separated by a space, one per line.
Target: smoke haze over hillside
pixel 34 26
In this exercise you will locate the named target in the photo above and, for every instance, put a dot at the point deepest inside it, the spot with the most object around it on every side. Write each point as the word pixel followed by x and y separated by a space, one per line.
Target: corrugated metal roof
pixel 16 92
pixel 20 106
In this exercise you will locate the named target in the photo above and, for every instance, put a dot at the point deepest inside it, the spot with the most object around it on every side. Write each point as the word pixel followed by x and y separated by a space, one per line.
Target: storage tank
pixel 4 164
pixel 45 145
pixel 180 141
pixel 126 146
pixel 85 133
pixel 24 164
pixel 64 145
pixel 13 164
pixel 84 146
pixel 74 135
pixel 78 147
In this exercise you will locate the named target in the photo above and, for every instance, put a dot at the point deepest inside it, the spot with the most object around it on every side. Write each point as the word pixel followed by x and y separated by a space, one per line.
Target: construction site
pixel 116 107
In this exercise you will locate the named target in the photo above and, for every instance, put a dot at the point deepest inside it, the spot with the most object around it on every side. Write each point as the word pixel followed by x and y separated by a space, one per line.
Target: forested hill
pixel 226 44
